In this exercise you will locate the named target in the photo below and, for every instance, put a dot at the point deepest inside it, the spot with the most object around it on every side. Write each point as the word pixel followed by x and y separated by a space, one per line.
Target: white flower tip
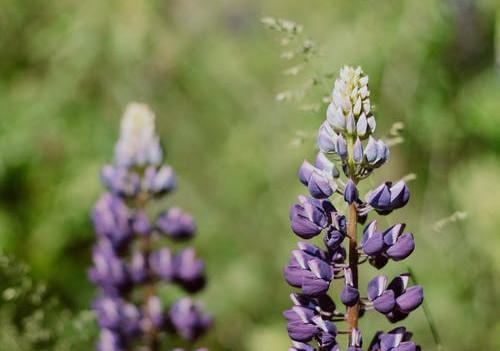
pixel 138 143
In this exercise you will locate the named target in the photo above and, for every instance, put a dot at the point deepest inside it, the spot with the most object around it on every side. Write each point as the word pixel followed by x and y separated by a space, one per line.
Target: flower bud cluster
pixel 130 259
pixel 346 142
pixel 349 124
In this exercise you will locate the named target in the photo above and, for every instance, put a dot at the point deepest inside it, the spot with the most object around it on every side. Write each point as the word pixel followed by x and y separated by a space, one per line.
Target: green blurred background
pixel 211 71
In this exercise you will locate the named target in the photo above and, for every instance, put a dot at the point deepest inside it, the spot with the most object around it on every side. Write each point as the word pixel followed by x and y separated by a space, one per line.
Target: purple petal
pixel 374 245
pixel 326 138
pixel 371 150
pixel 369 230
pixel 301 332
pixel 403 247
pixel 357 151
pixel 406 346
pixel 333 239
pixel 305 172
pixel 350 192
pixel 349 295
pixel 314 286
pixel 189 272
pixel 320 269
pixel 341 147
pixel 391 234
pixel 411 299
pixel 162 264
pixel 380 198
pixel 362 125
pixel 385 303
pixel 176 224
pixel 376 287
pixel 319 186
pixel 400 194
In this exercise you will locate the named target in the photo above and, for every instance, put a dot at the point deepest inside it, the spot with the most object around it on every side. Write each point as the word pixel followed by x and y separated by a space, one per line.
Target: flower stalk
pixel 346 143
pixel 353 312
pixel 131 258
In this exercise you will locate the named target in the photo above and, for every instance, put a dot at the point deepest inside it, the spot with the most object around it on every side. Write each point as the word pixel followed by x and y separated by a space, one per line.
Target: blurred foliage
pixel 34 319
pixel 212 71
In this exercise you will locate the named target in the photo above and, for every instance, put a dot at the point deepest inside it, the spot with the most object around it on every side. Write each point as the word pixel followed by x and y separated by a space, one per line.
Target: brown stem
pixel 353 312
pixel 150 288
pixel 149 291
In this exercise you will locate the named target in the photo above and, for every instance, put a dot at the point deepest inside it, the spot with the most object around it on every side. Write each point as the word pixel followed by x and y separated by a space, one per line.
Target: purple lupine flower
pixel 309 270
pixel 154 313
pixel 310 216
pixel 159 181
pixel 138 267
pixel 109 341
pixel 109 272
pixel 188 319
pixel 130 260
pixel 111 218
pixel 395 300
pixel 347 134
pixel 350 192
pixel 162 264
pixel 336 233
pixel 176 224
pixel 393 243
pixel 120 181
pixel 327 138
pixel 397 339
pixel 140 224
pixel 387 197
pixel 399 245
pixel 318 181
pixel 189 271
pixel 350 294
pixel 109 312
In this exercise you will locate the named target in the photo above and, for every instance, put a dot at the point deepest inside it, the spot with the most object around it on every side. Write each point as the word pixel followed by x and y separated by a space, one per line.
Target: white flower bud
pixel 138 144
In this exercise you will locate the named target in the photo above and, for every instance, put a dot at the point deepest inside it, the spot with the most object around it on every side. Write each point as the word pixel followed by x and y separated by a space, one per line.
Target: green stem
pixel 427 313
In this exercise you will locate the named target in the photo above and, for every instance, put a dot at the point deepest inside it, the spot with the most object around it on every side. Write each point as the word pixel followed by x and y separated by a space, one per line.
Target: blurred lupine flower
pixel 109 341
pixel 111 219
pixel 161 263
pixel 138 144
pixel 347 134
pixel 176 224
pixel 188 319
pixel 189 272
pixel 158 181
pixel 129 254
pixel 120 181
pixel 109 272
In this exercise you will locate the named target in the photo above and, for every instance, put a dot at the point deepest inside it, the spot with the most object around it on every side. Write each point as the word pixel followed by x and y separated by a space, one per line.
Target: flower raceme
pixel 130 257
pixel 346 142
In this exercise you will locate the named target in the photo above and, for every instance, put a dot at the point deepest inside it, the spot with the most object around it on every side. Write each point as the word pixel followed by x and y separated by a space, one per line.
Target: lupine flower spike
pixel 130 257
pixel 346 142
